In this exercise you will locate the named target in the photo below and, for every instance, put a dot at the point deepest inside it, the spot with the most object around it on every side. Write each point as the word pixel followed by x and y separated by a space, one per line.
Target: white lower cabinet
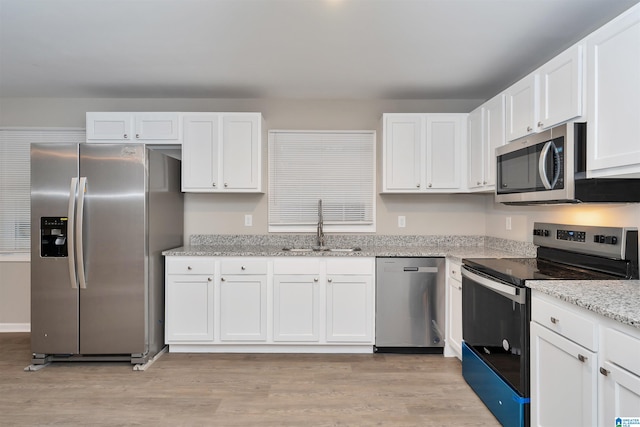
pixel 189 300
pixel 453 343
pixel 585 368
pixel 281 304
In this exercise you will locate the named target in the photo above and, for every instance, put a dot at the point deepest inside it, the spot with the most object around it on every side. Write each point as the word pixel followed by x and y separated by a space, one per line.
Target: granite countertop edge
pixel 616 299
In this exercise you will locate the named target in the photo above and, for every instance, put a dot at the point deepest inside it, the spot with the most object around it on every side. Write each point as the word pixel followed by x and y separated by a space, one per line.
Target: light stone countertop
pixel 455 253
pixel 616 299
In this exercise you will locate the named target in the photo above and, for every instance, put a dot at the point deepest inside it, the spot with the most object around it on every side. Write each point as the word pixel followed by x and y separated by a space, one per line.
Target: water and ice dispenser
pixel 53 236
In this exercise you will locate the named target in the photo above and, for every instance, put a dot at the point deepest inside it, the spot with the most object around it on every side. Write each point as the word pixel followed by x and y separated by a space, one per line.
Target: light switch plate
pixel 402 221
pixel 248 220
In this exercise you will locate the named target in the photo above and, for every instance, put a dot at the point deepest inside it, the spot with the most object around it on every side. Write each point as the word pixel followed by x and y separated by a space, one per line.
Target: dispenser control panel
pixel 53 236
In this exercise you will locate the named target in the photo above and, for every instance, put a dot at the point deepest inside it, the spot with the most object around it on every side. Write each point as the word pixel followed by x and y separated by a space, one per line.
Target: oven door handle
pixel 511 292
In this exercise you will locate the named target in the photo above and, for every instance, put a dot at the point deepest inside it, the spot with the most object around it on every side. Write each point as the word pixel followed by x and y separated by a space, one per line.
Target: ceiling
pixel 322 49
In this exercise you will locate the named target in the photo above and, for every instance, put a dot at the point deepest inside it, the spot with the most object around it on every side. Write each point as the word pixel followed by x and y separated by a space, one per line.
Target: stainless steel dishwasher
pixel 410 305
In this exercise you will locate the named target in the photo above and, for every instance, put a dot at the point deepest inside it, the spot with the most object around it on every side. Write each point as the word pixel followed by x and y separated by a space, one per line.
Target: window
pixel 337 167
pixel 15 181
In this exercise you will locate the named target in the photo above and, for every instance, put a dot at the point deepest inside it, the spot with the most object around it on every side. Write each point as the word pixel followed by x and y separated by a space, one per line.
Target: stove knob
pixel 598 238
pixel 611 240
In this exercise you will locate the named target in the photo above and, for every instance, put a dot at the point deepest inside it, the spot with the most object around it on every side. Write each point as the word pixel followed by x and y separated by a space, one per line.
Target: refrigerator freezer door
pixel 113 302
pixel 54 293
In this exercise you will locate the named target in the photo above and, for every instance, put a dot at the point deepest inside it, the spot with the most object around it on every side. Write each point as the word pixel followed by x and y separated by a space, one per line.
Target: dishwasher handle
pixel 420 269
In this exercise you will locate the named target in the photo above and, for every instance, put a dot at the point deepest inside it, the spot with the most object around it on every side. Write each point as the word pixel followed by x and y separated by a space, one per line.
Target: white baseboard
pixel 15 327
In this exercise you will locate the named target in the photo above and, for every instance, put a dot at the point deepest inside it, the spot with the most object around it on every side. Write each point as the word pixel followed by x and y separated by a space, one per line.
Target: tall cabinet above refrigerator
pixel 101 215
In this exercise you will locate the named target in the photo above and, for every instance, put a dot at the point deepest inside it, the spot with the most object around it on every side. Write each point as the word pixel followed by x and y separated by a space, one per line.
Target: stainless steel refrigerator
pixel 101 215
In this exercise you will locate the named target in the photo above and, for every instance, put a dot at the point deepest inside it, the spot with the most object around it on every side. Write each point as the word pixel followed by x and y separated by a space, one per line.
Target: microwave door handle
pixel 556 162
pixel 542 170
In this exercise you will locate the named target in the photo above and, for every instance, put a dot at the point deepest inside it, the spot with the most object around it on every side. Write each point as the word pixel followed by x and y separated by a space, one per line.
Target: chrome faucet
pixel 320 234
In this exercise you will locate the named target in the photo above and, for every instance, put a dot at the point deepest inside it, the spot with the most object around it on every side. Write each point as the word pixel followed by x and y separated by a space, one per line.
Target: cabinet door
pixel 403 136
pixel 189 309
pixel 494 128
pixel 477 148
pixel 563 381
pixel 620 391
pixel 454 314
pixel 613 87
pixel 561 88
pixel 106 127
pixel 243 308
pixel 241 155
pixel 350 309
pixel 157 126
pixel 522 107
pixel 200 152
pixel 444 156
pixel 296 308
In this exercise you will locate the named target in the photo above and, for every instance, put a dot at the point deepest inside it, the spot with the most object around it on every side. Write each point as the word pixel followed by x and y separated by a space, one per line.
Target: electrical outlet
pixel 248 220
pixel 508 224
pixel 402 221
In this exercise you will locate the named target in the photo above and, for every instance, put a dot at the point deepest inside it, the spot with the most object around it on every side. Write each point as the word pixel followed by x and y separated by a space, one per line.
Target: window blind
pixel 337 167
pixel 15 181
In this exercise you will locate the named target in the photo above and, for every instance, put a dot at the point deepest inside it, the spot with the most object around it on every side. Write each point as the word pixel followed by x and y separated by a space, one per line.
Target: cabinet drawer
pixel 190 265
pixel 565 322
pixel 350 266
pixel 243 267
pixel 621 349
pixel 296 266
pixel 454 271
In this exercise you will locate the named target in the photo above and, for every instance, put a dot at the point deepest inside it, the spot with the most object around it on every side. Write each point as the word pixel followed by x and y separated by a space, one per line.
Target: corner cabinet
pixel 585 368
pixel 279 304
pixel 424 153
pixel 613 91
pixel 486 132
pixel 149 128
pixel 222 152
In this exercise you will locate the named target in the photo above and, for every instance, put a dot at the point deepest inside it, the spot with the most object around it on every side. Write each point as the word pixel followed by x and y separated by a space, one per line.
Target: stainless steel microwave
pixel 550 167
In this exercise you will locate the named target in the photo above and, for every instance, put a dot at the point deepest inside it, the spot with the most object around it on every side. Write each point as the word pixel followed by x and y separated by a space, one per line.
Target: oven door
pixel 495 326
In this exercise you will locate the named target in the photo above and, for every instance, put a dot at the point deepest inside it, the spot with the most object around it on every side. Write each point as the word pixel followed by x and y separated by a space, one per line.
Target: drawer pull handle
pixel 604 372
pixel 243 268
pixel 582 358
pixel 555 321
pixel 189 267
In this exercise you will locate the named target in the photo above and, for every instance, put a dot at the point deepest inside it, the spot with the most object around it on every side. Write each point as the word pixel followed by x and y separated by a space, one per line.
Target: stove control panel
pixel 612 242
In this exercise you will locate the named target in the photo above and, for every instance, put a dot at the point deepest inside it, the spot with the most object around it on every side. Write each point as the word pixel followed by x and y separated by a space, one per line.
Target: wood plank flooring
pixel 238 390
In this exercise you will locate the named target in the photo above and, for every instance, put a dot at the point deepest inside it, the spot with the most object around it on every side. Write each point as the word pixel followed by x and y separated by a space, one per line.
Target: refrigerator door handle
pixel 82 187
pixel 71 214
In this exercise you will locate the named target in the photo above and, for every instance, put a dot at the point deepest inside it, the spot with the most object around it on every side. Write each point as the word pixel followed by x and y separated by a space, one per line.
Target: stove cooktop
pixel 518 270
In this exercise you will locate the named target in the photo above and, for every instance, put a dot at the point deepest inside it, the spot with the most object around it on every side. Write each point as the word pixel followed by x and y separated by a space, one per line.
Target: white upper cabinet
pixel 561 88
pixel 486 133
pixel 156 128
pixel 613 90
pixel 549 96
pixel 522 107
pixel 423 152
pixel 222 152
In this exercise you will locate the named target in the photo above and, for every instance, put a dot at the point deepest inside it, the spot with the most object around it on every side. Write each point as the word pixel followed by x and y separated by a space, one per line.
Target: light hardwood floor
pixel 239 390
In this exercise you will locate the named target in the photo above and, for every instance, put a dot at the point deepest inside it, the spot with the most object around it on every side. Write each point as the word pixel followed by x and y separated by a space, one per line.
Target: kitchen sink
pixel 319 249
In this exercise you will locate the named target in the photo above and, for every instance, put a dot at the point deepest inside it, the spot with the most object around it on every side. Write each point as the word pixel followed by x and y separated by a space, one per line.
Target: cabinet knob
pixel 529 129
pixel 243 268
pixel 315 279
pixel 329 280
pixel 189 267
pixel 484 182
pixel 213 185
pixel 430 185
pixel 540 124
pixel 604 372
pixel 418 185
pixel 137 136
pixel 477 182
pixel 222 279
pixel 555 321
pixel 226 185
pixel 582 358
pixel 208 279
pixel 125 136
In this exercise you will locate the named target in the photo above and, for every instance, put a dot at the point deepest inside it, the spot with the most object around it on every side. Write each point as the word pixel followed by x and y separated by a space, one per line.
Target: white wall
pixel 224 214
